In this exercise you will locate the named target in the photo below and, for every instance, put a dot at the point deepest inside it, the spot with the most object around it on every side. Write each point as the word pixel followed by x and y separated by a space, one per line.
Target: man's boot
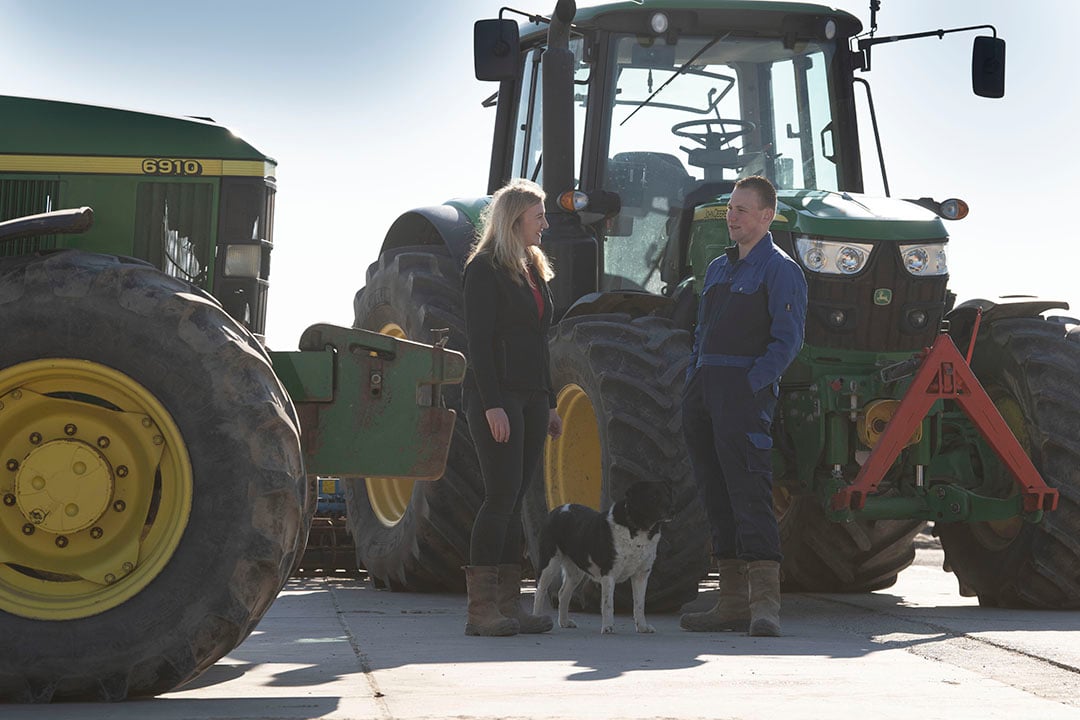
pixel 764 598
pixel 732 610
pixel 484 617
pixel 509 602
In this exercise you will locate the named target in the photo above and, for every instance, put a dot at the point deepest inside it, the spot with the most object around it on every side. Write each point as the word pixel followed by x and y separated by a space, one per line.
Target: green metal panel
pixel 369 404
pixel 50 127
pixel 307 376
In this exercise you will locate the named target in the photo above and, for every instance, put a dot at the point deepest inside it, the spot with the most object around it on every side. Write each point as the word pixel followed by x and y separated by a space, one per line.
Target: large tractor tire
pixel 619 382
pixel 1029 367
pixel 821 555
pixel 153 490
pixel 415 535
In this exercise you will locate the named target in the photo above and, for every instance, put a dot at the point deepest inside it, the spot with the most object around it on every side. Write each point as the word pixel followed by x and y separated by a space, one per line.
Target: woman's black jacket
pixel 507 340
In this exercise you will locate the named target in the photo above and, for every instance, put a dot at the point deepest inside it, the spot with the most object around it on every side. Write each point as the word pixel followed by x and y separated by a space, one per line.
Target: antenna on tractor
pixel 875 5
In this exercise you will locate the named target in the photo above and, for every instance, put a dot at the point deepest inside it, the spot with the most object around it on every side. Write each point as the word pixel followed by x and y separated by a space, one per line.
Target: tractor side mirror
pixel 496 49
pixel 988 67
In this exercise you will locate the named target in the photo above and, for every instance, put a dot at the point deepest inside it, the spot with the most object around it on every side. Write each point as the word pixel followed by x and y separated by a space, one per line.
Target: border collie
pixel 606 547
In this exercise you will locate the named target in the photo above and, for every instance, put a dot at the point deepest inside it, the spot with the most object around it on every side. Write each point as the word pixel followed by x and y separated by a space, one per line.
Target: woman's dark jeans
pixel 508 468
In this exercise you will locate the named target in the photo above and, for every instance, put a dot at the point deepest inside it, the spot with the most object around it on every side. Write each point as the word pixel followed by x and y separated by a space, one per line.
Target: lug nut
pixel 70 429
pixel 110 579
pixel 35 438
pixel 103 442
pixel 158 440
pixel 12 464
pixel 61 541
pixel 9 499
pixel 16 394
pixel 96 532
pixel 27 529
pixel 121 470
pixel 119 506
pixel 147 422
pixel 128 567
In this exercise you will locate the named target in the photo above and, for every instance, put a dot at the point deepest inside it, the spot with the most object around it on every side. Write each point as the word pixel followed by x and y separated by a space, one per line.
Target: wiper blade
pixel 680 71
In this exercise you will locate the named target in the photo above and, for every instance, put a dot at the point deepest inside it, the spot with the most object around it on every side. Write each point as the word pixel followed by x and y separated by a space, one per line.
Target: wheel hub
pixel 63 486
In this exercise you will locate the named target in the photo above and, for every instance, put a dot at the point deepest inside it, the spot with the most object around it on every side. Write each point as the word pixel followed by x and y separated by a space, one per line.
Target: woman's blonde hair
pixel 500 231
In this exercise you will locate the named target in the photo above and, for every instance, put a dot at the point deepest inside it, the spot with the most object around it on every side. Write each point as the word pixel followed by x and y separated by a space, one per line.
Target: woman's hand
pixel 498 423
pixel 554 423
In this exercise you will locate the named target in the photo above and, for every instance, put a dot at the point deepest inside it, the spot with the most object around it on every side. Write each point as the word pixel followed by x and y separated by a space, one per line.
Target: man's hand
pixel 498 423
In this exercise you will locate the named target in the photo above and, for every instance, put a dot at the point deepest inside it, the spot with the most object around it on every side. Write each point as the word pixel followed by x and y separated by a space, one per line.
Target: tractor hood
pixel 819 212
pixel 841 215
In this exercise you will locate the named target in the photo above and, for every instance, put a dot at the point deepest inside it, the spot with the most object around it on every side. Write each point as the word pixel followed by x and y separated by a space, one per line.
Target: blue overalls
pixel 750 326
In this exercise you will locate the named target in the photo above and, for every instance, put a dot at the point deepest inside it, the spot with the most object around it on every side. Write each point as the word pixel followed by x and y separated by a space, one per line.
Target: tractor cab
pixel 670 108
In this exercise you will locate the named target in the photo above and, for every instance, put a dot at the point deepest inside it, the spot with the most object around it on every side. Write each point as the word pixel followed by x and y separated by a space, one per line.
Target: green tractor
pixel 159 463
pixel 637 118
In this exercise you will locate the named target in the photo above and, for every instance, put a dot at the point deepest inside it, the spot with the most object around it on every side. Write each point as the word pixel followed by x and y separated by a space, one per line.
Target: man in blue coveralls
pixel 750 327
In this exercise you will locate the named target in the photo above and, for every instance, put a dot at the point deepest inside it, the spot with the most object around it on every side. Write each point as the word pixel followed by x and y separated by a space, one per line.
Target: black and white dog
pixel 606 547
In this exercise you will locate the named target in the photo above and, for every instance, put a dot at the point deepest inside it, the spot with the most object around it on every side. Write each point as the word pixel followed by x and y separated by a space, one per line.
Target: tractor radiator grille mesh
pixel 27 197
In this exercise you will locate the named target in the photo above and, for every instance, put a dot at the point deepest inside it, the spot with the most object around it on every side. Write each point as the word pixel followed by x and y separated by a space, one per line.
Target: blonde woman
pixel 507 396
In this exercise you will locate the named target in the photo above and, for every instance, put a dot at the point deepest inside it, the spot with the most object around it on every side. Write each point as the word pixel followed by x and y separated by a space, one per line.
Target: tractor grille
pixel 19 198
pixel 869 325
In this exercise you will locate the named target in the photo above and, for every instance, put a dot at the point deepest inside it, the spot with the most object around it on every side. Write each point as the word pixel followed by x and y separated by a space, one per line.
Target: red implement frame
pixel 944 375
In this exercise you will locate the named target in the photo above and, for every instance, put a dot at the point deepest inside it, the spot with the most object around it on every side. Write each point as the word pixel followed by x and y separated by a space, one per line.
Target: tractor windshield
pixel 691 118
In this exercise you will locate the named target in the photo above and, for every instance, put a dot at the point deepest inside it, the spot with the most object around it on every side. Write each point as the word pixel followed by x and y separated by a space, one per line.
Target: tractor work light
pixel 833 258
pixel 954 209
pixel 917 319
pixel 925 260
pixel 573 201
pixel 243 261
pixel 659 23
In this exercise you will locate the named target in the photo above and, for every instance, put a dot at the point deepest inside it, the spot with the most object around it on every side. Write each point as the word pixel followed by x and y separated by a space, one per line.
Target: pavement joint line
pixel 362 658
pixel 950 632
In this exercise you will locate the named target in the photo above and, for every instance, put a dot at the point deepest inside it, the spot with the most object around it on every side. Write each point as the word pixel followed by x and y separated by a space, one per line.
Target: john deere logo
pixel 882 296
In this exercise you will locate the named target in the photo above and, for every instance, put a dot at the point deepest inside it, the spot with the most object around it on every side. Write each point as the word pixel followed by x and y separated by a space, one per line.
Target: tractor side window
pixel 173 228
pixel 803 123
pixel 527 134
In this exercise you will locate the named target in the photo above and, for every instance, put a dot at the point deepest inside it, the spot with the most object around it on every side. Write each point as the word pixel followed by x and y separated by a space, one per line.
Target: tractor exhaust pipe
pixel 558 81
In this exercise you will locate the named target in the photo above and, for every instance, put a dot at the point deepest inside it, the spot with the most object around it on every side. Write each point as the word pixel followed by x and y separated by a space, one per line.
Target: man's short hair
pixel 765 191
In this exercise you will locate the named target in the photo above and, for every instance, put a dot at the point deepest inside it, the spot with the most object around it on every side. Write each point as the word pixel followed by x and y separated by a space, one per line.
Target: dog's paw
pixel 607 630
pixel 646 628
pixel 567 624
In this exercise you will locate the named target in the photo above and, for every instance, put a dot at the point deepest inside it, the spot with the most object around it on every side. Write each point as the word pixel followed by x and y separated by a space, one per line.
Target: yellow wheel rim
pixel 96 485
pixel 389 497
pixel 998 534
pixel 573 469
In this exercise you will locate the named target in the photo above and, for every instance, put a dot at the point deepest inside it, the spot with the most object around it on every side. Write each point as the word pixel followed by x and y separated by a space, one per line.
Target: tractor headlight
pixel 925 260
pixel 243 261
pixel 833 258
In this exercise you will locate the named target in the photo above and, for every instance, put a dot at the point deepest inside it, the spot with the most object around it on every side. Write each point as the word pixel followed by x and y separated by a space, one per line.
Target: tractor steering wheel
pixel 709 139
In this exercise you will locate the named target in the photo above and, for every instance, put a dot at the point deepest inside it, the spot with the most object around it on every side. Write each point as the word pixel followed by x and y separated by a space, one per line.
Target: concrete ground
pixel 337 648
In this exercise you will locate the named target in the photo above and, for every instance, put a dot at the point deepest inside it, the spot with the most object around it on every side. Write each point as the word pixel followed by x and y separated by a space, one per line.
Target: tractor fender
pixel 452 225
pixel 961 319
pixel 634 303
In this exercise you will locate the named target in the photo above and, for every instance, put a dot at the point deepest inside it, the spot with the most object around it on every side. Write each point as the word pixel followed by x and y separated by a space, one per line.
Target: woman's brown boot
pixel 509 602
pixel 484 617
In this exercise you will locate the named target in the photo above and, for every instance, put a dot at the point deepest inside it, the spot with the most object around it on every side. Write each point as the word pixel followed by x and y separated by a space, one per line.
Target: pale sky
pixel 371 109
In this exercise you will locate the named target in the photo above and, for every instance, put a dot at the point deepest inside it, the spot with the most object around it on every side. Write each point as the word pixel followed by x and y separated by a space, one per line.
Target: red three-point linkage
pixel 945 375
